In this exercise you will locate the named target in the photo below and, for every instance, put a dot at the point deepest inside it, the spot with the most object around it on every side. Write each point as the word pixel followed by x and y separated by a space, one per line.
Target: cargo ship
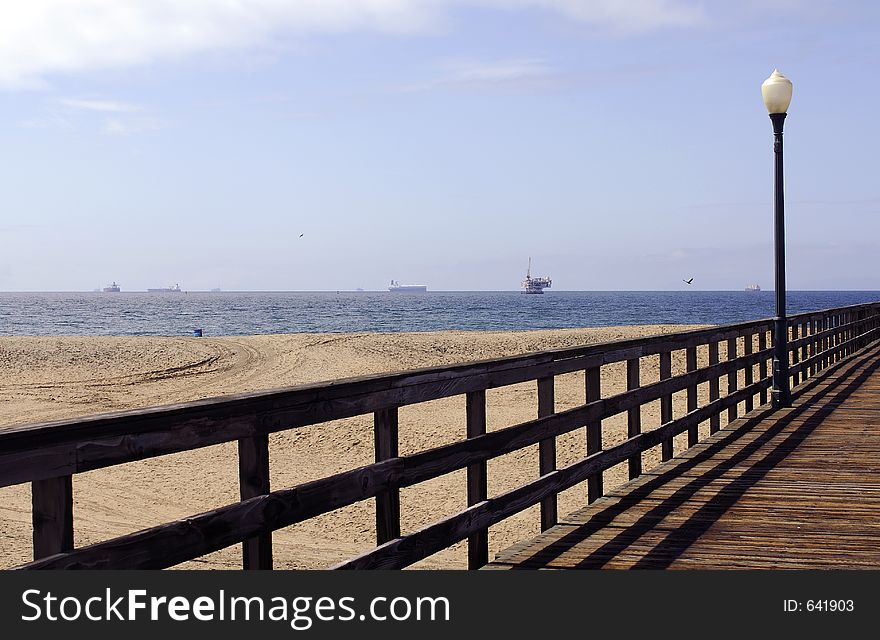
pixel 172 289
pixel 111 288
pixel 534 285
pixel 396 287
pixel 753 287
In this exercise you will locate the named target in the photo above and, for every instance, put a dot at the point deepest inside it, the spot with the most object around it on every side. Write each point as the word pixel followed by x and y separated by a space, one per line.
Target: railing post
pixel 253 480
pixel 593 392
pixel 691 358
pixel 829 345
pixel 814 345
pixel 732 410
pixel 477 478
pixel 762 364
pixel 852 332
pixel 547 451
pixel 805 354
pixel 835 340
pixel 795 334
pixel 52 515
pixel 836 337
pixel 823 343
pixel 634 416
pixel 666 403
pixel 750 370
pixel 714 390
pixel 387 502
pixel 860 323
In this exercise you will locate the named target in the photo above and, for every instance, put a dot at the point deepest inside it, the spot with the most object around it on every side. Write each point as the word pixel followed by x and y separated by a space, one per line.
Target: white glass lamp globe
pixel 776 92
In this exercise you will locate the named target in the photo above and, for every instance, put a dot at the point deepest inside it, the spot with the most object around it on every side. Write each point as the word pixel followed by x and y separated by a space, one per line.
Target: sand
pixel 48 378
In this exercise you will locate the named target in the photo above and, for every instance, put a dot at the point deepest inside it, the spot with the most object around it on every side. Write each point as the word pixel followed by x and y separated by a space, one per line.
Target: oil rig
pixel 534 285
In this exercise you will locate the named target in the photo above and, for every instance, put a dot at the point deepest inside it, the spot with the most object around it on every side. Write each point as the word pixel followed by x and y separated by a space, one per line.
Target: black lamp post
pixel 776 92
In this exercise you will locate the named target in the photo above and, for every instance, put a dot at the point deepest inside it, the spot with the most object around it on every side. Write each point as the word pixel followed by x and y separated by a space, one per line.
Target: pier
pixel 794 487
pixel 797 488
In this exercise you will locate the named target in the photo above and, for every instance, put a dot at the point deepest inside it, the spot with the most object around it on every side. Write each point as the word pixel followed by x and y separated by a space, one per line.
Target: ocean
pixel 245 313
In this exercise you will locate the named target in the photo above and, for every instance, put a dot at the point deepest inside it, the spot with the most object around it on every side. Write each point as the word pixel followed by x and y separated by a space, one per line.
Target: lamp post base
pixel 780 394
pixel 779 398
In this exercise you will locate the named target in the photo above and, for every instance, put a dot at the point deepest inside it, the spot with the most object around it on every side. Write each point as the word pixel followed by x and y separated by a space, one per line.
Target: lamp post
pixel 776 92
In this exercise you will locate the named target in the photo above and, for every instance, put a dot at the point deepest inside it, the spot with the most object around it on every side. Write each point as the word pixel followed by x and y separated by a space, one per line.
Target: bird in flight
pixel 691 281
pixel 301 235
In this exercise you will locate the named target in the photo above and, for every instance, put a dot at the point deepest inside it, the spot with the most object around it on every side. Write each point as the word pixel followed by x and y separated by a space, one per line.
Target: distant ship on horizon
pixel 172 289
pixel 396 287
pixel 753 287
pixel 534 285
pixel 111 288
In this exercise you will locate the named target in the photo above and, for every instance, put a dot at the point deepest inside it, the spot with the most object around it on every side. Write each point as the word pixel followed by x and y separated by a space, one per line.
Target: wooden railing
pixel 47 455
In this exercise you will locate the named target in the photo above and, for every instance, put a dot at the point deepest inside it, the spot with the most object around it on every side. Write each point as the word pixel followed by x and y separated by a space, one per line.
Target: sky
pixel 622 145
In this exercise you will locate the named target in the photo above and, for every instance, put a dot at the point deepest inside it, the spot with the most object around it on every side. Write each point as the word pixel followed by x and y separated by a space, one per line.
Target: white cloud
pixel 503 71
pixel 107 106
pixel 635 15
pixel 120 127
pixel 468 74
pixel 43 37
pixel 107 116
pixel 40 37
pixel 617 15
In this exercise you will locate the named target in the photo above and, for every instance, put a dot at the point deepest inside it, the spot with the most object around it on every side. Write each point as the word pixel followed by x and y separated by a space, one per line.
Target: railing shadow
pixel 684 535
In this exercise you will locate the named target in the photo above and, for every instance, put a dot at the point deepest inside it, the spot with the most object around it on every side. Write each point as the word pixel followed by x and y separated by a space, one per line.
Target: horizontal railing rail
pixel 47 455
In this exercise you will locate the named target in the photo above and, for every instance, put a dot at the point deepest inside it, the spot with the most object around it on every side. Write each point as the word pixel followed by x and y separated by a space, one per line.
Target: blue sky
pixel 621 145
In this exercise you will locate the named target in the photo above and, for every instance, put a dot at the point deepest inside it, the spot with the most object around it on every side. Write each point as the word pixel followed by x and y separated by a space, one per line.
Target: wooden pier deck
pixel 793 489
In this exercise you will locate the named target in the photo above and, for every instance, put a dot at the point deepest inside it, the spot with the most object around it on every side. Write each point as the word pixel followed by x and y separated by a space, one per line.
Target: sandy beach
pixel 48 378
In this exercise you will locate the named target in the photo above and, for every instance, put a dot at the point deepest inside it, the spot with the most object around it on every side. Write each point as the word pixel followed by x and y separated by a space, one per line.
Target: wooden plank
pixel 794 355
pixel 440 460
pixel 388 501
pixel 815 346
pixel 834 339
pixel 52 515
pixel 860 327
pixel 358 391
pixel 477 479
pixel 812 502
pixel 748 348
pixel 798 342
pixel 666 403
pixel 714 391
pixel 849 337
pixel 547 451
pixel 762 366
pixel 228 525
pixel 429 464
pixel 85 444
pixel 253 479
pixel 805 348
pixel 633 416
pixel 593 392
pixel 731 378
pixel 90 443
pixel 826 330
pixel 424 542
pixel 691 364
pixel 172 543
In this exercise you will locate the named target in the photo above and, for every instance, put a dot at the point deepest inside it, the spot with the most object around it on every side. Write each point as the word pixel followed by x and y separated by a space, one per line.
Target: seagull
pixel 691 281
